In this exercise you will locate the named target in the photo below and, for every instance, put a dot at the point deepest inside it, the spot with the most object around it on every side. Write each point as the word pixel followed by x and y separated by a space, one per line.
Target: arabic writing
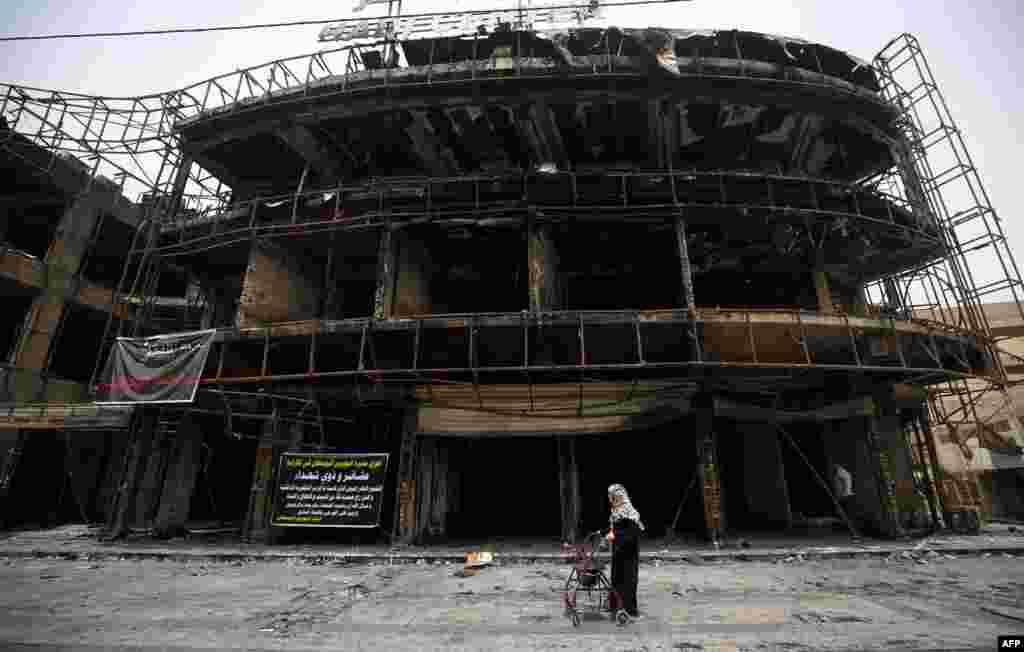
pixel 319 489
pixel 323 462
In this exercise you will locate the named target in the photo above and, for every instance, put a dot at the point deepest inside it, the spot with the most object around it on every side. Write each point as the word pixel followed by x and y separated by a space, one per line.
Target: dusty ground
pixel 934 602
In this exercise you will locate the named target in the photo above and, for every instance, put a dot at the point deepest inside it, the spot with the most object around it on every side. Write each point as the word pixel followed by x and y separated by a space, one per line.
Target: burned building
pixel 64 236
pixel 528 264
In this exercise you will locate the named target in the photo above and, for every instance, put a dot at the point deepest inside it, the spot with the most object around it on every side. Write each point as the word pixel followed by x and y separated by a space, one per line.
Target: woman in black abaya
pixel 624 537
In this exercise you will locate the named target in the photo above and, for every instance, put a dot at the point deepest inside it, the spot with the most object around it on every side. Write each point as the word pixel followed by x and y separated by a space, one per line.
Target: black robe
pixel 626 562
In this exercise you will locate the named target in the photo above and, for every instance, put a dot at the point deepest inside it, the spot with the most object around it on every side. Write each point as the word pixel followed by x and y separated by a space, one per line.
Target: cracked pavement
pixel 926 601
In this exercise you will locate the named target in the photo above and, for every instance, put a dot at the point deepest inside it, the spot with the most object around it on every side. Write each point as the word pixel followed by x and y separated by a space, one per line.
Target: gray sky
pixel 974 49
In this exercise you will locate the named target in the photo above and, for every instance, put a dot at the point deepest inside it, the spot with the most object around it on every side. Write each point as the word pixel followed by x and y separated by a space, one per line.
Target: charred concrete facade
pixel 530 264
pixel 64 237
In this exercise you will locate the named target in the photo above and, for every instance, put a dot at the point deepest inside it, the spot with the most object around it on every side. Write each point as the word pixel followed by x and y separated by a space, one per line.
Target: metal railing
pixel 483 198
pixel 553 343
pixel 345 66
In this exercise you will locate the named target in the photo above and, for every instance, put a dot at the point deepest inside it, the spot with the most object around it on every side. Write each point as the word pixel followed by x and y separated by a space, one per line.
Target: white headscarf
pixel 624 509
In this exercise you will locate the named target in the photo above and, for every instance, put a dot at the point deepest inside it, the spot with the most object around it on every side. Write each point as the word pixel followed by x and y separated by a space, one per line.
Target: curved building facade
pixel 529 264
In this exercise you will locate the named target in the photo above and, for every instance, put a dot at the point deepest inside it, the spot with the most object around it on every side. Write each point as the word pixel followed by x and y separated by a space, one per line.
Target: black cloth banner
pixel 158 369
pixel 330 489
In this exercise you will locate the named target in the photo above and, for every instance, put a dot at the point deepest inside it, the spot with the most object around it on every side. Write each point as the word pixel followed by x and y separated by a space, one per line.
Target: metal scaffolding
pixel 923 326
pixel 939 175
pixel 186 208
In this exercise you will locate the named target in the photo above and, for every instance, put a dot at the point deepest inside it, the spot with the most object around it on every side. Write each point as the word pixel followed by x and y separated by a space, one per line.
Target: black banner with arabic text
pixel 158 369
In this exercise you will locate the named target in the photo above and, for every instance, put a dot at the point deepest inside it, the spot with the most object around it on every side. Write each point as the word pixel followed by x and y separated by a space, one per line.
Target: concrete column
pixel 894 445
pixel 860 302
pixel 180 180
pixel 123 511
pixel 413 268
pixel 63 262
pixel 671 121
pixel 684 264
pixel 912 185
pixel 765 481
pixel 12 443
pixel 384 294
pixel 432 489
pixel 257 521
pixel 938 473
pixel 180 480
pixel 296 436
pixel 656 134
pixel 707 467
pixel 823 292
pixel 147 499
pixel 109 473
pixel 329 301
pixel 856 446
pixel 569 487
pixel 424 485
pixel 405 500
pixel 278 286
pixel 86 454
pixel 881 458
pixel 543 264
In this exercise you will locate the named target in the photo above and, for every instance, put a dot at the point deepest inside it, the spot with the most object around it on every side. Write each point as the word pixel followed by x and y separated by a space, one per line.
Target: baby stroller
pixel 587 580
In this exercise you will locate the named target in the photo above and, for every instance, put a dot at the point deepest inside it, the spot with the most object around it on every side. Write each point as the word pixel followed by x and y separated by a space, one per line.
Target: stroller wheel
pixel 575 619
pixel 621 617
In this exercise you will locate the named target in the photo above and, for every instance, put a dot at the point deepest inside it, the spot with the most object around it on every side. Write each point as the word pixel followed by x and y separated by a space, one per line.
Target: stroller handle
pixel 595 540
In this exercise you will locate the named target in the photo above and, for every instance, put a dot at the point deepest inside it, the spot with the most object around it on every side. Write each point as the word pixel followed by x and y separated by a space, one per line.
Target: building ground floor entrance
pixel 694 475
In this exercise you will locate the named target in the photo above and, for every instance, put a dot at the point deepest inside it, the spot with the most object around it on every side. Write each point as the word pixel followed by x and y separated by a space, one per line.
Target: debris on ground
pixel 479 559
pixel 1006 612
pixel 358 591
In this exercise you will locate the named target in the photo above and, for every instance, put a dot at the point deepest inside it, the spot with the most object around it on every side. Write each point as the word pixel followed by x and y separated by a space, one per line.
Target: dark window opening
pixel 355 298
pixel 754 289
pixel 16 307
pixel 105 261
pixel 752 499
pixel 288 356
pixel 617 267
pixel 41 493
pixel 656 483
pixel 224 311
pixel 475 510
pixel 478 271
pixel 224 479
pixel 77 344
pixel 806 495
pixel 350 293
pixel 244 359
pixel 104 349
pixel 31 229
pixel 171 284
